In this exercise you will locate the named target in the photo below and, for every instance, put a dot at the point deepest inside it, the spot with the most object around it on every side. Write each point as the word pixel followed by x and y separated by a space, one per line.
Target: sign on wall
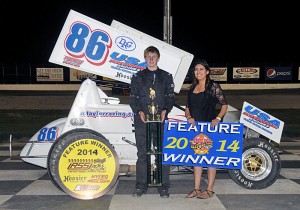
pixel 49 74
pixel 218 73
pixel 77 75
pixel 245 73
pixel 278 73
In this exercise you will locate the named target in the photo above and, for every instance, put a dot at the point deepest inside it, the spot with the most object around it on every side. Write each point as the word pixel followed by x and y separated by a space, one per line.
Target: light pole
pixel 167 22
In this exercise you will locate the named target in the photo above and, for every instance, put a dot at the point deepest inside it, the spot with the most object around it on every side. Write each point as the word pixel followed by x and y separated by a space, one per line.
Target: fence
pixel 26 73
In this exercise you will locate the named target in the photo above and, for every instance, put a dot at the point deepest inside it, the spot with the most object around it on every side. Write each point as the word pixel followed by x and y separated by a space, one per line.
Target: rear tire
pixel 260 167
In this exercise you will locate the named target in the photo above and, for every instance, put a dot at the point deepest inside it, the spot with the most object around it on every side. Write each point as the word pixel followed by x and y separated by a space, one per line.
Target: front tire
pixel 261 165
pixel 83 164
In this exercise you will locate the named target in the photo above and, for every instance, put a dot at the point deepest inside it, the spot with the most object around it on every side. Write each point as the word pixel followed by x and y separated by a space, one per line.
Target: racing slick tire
pixel 83 164
pixel 261 165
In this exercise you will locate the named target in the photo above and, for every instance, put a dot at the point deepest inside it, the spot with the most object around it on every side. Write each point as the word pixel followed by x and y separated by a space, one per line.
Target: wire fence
pixel 26 73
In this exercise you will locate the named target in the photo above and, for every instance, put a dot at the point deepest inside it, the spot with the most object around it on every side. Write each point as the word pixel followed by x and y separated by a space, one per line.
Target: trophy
pixel 154 174
pixel 153 108
pixel 153 112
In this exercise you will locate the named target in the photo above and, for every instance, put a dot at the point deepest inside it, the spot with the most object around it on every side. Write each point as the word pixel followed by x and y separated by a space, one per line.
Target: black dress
pixel 202 105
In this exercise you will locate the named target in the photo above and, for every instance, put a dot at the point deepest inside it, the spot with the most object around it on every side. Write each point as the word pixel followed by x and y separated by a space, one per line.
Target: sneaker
pixel 164 193
pixel 138 193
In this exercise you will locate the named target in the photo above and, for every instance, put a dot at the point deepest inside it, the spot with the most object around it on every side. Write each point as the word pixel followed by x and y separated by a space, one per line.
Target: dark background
pixel 222 32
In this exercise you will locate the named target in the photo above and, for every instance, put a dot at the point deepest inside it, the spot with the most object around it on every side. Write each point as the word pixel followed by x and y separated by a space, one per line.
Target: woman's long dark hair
pixel 206 66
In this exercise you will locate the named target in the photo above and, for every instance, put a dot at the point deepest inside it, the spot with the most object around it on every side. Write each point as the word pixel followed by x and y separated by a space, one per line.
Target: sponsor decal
pixel 125 43
pixel 77 122
pixel 85 187
pixel 88 168
pixel 99 178
pixel 201 144
pixel 48 134
pixel 96 114
pixel 72 61
pixel 74 178
pixel 261 122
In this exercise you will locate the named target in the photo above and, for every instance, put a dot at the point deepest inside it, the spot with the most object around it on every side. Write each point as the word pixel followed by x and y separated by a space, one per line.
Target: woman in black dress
pixel 203 96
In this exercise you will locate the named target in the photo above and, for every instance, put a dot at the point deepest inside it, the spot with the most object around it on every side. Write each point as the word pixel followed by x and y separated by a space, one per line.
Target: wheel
pixel 83 164
pixel 260 167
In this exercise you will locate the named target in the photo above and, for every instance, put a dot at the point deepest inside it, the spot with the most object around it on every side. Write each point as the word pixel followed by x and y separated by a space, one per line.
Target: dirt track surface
pixel 263 99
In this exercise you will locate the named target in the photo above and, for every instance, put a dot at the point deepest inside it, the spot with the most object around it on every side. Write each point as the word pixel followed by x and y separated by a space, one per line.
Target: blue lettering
pixel 265 118
pixel 126 59
pixel 248 109
pixel 116 56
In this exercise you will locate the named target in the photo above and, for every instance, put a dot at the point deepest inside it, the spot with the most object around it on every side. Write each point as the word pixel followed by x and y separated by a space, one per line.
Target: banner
pixel 245 73
pixel 278 73
pixel 220 146
pixel 218 73
pixel 49 74
pixel 77 75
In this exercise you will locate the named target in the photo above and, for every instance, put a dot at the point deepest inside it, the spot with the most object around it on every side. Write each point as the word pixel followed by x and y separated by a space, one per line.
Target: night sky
pixel 244 33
